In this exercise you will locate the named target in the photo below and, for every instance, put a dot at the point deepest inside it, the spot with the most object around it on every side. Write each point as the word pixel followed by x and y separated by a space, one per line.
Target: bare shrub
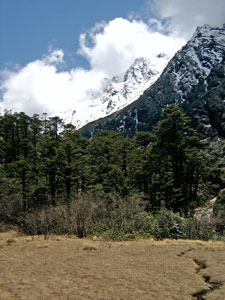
pixel 80 214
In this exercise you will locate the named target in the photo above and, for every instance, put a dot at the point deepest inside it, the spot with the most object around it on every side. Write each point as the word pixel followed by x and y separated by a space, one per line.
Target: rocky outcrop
pixel 214 212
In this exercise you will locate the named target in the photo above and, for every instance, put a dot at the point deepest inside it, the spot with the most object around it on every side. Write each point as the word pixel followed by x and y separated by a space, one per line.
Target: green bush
pixel 219 213
pixel 170 224
pixel 197 230
pixel 173 226
pixel 220 203
pixel 111 217
pixel 165 224
pixel 11 208
pixel 142 225
pixel 2 226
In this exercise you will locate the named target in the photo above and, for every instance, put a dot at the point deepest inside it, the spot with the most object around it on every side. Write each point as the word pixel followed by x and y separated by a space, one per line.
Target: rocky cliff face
pixel 194 79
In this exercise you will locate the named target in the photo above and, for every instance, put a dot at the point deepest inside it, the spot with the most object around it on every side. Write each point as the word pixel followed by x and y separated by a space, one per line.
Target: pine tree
pixel 72 157
pixel 141 161
pixel 108 159
pixel 48 157
pixel 177 161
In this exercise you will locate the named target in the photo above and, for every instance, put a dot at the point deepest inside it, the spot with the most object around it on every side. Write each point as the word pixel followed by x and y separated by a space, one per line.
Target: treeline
pixel 44 163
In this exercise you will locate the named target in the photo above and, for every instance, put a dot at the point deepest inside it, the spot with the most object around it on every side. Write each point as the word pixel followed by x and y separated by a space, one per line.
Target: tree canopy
pixel 44 162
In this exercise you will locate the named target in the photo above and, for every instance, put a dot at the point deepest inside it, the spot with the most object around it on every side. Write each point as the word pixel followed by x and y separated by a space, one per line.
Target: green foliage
pixel 172 225
pixel 198 230
pixel 2 227
pixel 143 139
pixel 165 224
pixel 53 180
pixel 142 225
pixel 219 213
pixel 177 162
pixel 220 201
pixel 11 207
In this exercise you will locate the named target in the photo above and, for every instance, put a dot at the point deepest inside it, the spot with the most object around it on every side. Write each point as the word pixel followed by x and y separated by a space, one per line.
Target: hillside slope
pixel 194 79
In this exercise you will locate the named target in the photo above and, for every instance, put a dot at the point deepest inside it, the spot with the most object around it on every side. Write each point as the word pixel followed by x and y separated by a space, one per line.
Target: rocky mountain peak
pixel 140 70
pixel 117 92
pixel 194 79
pixel 194 62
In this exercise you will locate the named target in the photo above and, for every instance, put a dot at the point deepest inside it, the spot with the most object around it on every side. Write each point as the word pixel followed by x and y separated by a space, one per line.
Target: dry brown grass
pixel 67 268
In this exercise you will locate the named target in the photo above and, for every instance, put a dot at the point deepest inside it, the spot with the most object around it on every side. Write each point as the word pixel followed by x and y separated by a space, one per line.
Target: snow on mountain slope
pixel 117 92
pixel 194 63
pixel 190 67
pixel 194 79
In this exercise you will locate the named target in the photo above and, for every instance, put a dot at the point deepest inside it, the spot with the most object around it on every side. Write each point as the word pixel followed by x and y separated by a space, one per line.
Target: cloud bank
pixel 109 48
pixel 182 17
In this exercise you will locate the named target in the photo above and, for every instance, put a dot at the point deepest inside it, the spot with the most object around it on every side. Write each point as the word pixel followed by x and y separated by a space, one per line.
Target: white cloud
pixel 110 49
pixel 121 41
pixel 184 16
pixel 56 56
pixel 39 87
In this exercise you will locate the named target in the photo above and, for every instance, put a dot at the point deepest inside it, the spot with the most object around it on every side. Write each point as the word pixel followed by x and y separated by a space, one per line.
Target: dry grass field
pixel 67 268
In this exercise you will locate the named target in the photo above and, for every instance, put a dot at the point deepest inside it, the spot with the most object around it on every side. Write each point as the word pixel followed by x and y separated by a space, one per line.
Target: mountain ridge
pixel 117 92
pixel 193 79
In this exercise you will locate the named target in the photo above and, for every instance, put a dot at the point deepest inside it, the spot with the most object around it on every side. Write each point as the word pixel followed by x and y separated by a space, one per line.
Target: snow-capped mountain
pixel 194 79
pixel 195 62
pixel 117 92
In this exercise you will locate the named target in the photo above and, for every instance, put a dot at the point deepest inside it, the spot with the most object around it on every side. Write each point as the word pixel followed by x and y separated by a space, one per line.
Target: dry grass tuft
pixel 42 246
pixel 95 238
pixel 30 239
pixel 11 241
pixel 88 247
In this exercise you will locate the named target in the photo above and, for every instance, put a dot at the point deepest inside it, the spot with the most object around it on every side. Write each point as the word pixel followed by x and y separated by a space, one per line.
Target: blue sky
pixel 29 27
pixel 54 54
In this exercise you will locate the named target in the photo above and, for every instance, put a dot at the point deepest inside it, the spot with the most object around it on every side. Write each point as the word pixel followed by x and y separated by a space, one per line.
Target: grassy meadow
pixel 68 268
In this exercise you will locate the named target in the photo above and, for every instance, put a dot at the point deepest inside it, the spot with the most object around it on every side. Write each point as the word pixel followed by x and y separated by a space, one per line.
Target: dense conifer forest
pixel 54 180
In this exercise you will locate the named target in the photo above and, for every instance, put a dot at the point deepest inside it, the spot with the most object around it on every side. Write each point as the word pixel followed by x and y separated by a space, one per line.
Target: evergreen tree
pixel 107 167
pixel 177 161
pixel 43 162
pixel 49 161
pixel 8 138
pixel 72 157
pixel 141 162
